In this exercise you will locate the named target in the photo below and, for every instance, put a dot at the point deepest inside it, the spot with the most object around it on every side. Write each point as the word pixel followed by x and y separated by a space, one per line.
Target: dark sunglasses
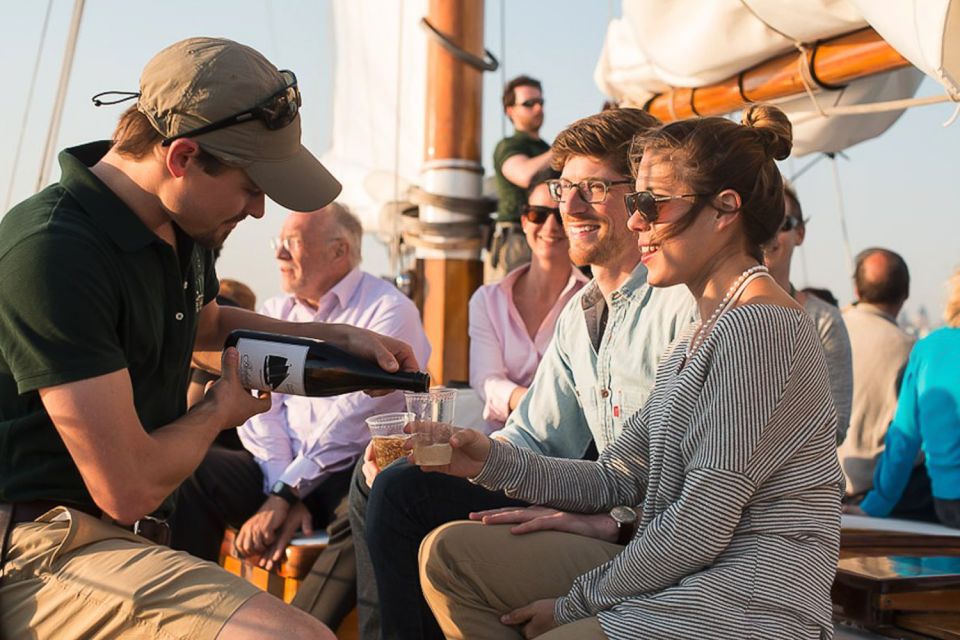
pixel 529 104
pixel 647 203
pixel 276 112
pixel 539 215
pixel 790 223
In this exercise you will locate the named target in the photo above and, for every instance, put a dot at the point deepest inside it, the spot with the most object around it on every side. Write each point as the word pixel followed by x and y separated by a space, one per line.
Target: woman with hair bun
pixel 723 493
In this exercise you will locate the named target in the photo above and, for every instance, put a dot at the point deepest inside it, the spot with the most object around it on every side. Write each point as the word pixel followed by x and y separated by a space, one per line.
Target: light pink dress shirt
pixel 302 440
pixel 502 355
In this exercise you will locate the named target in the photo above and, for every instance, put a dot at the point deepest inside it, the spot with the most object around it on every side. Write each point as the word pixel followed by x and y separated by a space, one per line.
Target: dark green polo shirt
pixel 511 197
pixel 85 290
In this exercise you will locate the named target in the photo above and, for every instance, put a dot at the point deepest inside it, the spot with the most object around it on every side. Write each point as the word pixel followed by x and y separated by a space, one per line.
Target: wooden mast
pixel 452 167
pixel 832 62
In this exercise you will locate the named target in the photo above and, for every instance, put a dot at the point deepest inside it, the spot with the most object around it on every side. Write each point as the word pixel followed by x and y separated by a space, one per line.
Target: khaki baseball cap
pixel 198 81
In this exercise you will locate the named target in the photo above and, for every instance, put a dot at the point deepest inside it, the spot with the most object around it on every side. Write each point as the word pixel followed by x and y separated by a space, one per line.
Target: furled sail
pixel 658 46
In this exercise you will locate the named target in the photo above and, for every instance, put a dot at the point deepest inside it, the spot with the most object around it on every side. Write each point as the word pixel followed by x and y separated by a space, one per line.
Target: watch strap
pixel 283 490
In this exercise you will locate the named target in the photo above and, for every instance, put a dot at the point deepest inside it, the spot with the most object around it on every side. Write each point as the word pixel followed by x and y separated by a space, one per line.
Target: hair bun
pixel 773 127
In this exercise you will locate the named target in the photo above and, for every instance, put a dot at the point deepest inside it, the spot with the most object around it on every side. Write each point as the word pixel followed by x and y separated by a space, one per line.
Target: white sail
pixel 379 102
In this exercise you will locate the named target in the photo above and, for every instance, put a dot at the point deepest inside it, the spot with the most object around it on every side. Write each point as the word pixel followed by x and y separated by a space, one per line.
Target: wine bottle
pixel 307 367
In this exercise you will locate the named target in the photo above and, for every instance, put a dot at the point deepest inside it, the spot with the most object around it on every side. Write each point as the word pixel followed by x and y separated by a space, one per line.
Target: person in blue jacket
pixel 928 420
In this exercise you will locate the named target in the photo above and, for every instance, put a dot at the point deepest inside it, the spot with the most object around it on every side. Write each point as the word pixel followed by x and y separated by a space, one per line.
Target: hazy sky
pixel 899 190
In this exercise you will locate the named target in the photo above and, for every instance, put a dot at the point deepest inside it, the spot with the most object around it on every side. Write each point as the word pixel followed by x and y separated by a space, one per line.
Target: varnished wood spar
pixel 454 92
pixel 838 61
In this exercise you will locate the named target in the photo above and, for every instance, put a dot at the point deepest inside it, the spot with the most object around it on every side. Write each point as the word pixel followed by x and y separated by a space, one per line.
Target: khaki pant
pixel 70 575
pixel 508 250
pixel 473 573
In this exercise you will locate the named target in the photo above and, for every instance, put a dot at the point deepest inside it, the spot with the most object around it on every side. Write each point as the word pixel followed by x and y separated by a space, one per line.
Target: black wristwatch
pixel 626 519
pixel 285 491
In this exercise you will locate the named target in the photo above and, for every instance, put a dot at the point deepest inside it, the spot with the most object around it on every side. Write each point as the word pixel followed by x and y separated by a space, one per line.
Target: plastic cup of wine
pixel 431 444
pixel 436 405
pixel 386 431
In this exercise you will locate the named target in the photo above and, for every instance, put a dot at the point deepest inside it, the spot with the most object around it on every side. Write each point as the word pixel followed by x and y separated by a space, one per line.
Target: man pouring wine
pixel 106 287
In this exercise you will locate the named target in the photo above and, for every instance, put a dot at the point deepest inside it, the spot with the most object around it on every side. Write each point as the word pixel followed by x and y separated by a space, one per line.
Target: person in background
pixel 108 288
pixel 298 456
pixel 723 491
pixel 777 256
pixel 927 420
pixel 238 293
pixel 824 294
pixel 516 159
pixel 880 352
pixel 512 321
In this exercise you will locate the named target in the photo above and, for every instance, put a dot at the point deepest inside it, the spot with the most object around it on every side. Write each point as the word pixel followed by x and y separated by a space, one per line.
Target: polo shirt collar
pixel 107 210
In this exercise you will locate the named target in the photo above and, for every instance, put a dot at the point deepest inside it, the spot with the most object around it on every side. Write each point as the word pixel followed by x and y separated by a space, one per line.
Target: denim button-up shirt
pixel 593 377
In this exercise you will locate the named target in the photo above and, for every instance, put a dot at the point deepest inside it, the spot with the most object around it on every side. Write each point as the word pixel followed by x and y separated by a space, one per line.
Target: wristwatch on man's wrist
pixel 282 490
pixel 626 519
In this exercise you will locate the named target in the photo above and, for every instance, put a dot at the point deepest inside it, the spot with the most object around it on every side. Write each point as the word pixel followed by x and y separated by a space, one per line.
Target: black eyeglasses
pixel 539 215
pixel 591 190
pixel 276 112
pixel 647 203
pixel 529 104
pixel 790 223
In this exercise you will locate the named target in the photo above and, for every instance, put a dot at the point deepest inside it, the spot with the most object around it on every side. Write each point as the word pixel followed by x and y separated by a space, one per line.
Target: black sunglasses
pixel 647 203
pixel 529 104
pixel 790 223
pixel 276 112
pixel 539 215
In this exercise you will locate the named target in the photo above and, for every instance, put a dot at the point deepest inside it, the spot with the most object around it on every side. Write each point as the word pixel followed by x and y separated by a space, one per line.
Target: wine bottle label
pixel 272 366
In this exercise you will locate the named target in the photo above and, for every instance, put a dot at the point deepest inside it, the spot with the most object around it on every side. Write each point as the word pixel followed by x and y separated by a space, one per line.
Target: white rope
pixel 54 129
pixel 27 107
pixel 874 107
pixel 953 118
pixel 503 63
pixel 840 209
pixel 395 236
pixel 806 77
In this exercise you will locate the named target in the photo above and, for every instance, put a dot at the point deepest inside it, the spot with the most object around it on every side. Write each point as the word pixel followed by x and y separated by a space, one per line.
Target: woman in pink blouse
pixel 512 321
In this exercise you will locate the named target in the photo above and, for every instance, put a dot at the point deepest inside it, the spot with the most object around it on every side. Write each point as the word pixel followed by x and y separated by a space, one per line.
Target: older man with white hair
pixel 295 471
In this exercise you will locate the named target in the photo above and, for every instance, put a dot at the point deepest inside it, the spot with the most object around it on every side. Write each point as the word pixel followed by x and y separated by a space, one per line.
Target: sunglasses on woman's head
pixel 538 215
pixel 647 203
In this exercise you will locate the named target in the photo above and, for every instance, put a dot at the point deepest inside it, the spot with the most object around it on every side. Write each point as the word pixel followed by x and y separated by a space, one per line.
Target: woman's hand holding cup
pixel 468 449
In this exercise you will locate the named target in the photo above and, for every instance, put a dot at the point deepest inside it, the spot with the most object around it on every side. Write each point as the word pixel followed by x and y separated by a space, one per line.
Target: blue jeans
pixel 404 505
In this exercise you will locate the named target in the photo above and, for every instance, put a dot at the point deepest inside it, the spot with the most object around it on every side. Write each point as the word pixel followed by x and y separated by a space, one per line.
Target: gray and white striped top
pixel 733 464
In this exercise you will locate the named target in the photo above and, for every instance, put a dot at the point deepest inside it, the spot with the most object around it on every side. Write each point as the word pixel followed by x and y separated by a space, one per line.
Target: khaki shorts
pixel 70 575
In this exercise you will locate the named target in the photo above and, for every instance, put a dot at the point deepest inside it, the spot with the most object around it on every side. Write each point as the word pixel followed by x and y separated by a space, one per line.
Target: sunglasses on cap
pixel 790 223
pixel 539 215
pixel 647 203
pixel 276 112
pixel 529 104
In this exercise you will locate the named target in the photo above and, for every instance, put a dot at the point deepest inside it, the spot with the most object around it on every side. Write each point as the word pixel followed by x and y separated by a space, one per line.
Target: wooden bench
pixel 284 581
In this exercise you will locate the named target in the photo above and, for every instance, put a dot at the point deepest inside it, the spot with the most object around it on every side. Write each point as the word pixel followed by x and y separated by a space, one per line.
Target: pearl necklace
pixel 733 293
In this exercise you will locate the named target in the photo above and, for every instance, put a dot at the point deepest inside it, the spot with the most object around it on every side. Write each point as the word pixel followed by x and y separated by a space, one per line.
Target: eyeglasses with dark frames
pixel 276 112
pixel 539 215
pixel 591 190
pixel 530 103
pixel 647 203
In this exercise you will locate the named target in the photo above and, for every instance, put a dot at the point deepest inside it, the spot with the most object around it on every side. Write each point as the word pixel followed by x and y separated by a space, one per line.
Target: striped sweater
pixel 732 463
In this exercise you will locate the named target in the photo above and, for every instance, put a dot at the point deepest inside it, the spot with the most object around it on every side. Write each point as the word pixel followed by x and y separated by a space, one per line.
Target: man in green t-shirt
pixel 516 159
pixel 107 286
